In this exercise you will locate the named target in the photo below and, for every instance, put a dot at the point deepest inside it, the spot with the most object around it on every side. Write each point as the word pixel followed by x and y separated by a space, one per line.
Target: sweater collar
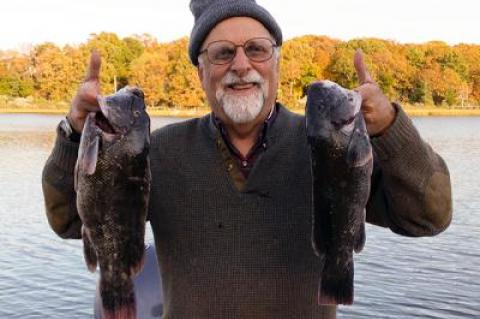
pixel 274 121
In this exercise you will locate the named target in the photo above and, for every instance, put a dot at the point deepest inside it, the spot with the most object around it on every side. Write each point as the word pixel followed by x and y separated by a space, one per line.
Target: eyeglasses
pixel 224 51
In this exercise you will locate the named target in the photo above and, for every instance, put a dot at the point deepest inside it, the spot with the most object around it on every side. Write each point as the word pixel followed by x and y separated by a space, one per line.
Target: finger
pixel 93 71
pixel 362 72
pixel 365 96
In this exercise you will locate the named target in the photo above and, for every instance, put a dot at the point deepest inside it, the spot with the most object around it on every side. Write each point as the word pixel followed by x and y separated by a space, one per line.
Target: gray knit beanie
pixel 208 13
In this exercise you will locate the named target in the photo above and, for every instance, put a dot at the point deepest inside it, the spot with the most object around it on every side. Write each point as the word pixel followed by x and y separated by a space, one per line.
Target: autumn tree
pixel 471 56
pixel 441 72
pixel 149 71
pixel 429 73
pixel 386 61
pixel 117 55
pixel 303 60
pixel 182 84
pixel 16 78
pixel 52 79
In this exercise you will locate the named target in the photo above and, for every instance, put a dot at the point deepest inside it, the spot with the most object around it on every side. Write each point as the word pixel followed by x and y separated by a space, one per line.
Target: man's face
pixel 242 91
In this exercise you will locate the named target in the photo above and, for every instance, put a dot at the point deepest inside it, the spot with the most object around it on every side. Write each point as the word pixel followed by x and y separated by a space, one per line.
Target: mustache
pixel 253 77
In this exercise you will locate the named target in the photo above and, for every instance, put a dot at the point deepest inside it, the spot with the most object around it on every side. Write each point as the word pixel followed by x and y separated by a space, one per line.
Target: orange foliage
pixel 426 73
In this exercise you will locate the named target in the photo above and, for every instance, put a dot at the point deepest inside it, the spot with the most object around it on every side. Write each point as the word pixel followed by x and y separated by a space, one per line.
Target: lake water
pixel 43 276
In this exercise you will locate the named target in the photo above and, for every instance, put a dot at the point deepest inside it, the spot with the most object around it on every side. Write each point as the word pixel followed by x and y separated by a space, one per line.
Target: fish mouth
pixel 102 122
pixel 102 119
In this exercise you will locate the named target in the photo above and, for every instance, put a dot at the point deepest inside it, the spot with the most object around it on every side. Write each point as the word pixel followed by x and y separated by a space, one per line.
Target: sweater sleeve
pixel 411 191
pixel 58 188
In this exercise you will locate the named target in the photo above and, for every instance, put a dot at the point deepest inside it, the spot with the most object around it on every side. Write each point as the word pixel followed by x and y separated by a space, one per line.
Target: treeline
pixel 431 73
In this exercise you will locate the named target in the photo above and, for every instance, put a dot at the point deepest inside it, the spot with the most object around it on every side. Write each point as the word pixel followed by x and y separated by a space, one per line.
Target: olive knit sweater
pixel 230 253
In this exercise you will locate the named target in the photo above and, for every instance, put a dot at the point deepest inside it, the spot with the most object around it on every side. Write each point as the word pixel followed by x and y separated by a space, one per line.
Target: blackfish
pixel 112 181
pixel 342 163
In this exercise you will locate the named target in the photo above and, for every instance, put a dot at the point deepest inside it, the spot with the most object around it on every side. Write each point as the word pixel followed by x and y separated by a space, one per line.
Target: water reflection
pixel 43 276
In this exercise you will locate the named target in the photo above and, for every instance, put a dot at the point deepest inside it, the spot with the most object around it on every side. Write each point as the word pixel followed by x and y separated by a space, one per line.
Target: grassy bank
pixel 49 108
pixel 61 111
pixel 439 111
pixel 430 111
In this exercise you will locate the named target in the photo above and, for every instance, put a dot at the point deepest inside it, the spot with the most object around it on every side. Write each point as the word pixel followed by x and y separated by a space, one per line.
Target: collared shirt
pixel 244 164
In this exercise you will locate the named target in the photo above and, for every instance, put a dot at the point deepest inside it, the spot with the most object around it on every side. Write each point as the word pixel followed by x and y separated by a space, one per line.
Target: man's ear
pixel 200 69
pixel 279 59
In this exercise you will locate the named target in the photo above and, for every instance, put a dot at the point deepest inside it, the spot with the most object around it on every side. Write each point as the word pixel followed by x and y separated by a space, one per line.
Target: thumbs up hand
pixel 377 110
pixel 85 100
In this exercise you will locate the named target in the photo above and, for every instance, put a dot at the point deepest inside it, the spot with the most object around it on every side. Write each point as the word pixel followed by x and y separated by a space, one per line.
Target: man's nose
pixel 241 63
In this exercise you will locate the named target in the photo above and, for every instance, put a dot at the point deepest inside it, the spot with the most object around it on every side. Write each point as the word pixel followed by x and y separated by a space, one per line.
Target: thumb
pixel 362 72
pixel 93 71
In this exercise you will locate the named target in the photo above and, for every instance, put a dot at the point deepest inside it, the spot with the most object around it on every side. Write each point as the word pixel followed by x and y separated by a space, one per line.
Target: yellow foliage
pixel 410 73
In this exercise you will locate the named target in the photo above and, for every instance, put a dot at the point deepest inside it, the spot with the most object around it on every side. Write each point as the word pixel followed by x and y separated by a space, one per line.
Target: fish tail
pixel 336 284
pixel 118 299
pixel 137 265
pixel 89 252
pixel 122 313
pixel 359 238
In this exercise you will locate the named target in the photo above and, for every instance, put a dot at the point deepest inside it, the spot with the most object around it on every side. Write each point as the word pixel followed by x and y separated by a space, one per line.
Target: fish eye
pixel 136 113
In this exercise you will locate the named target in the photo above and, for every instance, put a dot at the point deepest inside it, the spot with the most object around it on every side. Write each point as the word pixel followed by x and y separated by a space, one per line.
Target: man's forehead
pixel 237 30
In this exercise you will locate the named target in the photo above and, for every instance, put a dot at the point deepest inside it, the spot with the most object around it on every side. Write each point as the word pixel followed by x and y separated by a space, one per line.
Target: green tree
pixel 16 78
pixel 117 55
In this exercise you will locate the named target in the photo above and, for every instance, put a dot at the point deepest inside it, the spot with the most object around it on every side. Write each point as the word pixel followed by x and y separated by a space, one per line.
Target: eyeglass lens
pixel 257 49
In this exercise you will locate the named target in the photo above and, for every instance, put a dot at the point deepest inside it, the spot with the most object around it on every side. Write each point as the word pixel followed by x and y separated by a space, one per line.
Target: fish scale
pixel 342 164
pixel 113 184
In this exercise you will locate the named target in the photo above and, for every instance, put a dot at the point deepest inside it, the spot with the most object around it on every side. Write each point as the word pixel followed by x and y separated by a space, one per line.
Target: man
pixel 230 203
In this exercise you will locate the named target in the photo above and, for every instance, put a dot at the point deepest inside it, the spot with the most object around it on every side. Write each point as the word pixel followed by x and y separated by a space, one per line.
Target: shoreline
pixel 413 112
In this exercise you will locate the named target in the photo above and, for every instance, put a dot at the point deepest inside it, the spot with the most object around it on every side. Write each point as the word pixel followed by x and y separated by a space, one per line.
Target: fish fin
pixel 359 151
pixel 321 233
pixel 336 284
pixel 88 251
pixel 90 156
pixel 359 239
pixel 89 146
pixel 118 299
pixel 75 177
pixel 137 267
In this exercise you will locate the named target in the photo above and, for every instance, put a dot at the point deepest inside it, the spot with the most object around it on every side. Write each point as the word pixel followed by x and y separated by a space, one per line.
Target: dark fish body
pixel 342 160
pixel 113 185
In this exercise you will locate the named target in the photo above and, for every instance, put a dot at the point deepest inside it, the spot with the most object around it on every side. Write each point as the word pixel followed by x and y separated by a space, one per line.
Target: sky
pixel 25 22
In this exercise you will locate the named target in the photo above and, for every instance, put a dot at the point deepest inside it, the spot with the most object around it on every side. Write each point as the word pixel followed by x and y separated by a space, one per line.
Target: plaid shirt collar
pixel 261 140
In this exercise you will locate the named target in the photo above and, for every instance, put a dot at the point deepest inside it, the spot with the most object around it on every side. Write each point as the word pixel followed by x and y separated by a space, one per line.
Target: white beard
pixel 242 109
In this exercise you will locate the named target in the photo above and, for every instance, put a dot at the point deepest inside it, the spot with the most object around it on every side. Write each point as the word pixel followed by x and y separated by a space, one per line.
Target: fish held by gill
pixel 342 163
pixel 112 181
